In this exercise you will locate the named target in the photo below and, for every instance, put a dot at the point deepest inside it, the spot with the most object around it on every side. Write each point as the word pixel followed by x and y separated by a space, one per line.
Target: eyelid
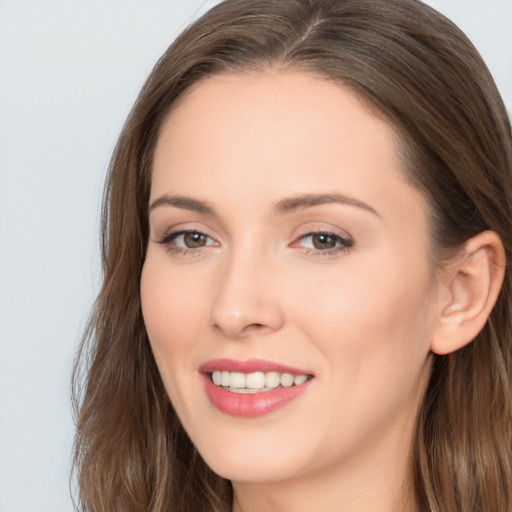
pixel 171 235
pixel 161 231
pixel 319 228
pixel 344 242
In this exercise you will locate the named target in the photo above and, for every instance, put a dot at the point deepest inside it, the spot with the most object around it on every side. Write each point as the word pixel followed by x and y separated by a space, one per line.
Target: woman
pixel 306 304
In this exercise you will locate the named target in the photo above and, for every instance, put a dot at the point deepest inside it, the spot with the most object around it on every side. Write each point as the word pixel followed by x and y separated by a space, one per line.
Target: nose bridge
pixel 246 298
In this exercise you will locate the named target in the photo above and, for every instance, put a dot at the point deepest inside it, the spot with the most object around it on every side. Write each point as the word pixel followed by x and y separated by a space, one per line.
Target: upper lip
pixel 249 366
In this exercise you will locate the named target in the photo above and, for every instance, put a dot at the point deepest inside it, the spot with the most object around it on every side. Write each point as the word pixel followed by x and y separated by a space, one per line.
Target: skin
pixel 361 317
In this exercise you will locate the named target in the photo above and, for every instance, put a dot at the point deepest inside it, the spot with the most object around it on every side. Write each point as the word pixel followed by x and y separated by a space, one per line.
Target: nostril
pixel 255 326
pixel 236 332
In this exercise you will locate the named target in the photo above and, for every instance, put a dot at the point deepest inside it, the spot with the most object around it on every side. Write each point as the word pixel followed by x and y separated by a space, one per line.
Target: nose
pixel 246 298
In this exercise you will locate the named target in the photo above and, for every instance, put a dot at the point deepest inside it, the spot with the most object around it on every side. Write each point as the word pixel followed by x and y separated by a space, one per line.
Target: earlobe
pixel 473 283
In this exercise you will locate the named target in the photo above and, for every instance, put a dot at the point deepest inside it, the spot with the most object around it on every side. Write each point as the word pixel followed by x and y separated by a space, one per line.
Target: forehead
pixel 273 117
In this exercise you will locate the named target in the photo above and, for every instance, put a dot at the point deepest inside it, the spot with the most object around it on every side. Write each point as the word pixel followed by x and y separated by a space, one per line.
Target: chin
pixel 241 467
pixel 247 455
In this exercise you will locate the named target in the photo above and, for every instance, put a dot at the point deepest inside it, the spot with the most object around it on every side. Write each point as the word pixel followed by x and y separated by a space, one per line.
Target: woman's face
pixel 283 240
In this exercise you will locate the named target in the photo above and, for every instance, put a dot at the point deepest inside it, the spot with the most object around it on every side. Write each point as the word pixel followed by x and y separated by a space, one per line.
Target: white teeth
pixel 247 391
pixel 237 380
pixel 286 380
pixel 255 382
pixel 300 379
pixel 272 379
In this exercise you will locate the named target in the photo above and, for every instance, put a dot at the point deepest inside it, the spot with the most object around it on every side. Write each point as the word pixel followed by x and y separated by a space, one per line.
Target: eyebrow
pixel 282 207
pixel 185 203
pixel 308 200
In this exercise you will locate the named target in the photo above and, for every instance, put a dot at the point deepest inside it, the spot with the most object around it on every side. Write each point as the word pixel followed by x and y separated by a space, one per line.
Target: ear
pixel 471 286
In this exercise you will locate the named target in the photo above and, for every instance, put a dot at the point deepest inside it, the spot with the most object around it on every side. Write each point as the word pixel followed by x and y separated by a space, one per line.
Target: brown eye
pixel 186 240
pixel 193 240
pixel 324 241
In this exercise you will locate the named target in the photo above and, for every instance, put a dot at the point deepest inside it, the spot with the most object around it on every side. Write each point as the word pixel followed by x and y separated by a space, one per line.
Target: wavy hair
pixel 420 73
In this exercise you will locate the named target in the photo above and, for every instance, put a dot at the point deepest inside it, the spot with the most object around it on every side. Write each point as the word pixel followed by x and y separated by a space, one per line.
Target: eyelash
pixel 342 244
pixel 167 240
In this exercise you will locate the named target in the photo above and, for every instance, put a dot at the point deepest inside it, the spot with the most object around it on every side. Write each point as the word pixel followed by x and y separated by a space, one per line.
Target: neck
pixel 384 494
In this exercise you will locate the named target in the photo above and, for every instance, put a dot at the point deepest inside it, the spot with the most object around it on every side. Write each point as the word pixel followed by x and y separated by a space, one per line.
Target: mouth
pixel 254 387
pixel 256 382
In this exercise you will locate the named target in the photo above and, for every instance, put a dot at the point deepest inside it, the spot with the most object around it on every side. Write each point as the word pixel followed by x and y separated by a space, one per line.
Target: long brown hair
pixel 423 75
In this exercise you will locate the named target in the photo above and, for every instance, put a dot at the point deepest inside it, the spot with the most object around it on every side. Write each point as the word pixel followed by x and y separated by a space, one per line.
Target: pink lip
pixel 249 366
pixel 254 404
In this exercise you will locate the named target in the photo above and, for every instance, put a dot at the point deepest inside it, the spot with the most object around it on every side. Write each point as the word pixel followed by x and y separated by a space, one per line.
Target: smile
pixel 252 388
pixel 256 382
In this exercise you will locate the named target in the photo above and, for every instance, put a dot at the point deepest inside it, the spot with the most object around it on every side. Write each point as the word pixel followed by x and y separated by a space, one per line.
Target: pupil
pixel 193 240
pixel 322 241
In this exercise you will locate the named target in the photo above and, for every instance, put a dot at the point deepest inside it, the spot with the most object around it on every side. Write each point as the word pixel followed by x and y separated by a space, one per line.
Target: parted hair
pixel 419 72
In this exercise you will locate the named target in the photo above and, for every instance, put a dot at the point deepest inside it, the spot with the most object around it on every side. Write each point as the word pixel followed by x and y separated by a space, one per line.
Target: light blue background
pixel 69 73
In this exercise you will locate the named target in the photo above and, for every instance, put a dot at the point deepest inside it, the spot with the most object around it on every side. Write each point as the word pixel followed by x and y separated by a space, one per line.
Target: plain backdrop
pixel 69 73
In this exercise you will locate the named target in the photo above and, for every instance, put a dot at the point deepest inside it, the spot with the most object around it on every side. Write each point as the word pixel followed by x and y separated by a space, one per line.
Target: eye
pixel 186 240
pixel 191 240
pixel 324 242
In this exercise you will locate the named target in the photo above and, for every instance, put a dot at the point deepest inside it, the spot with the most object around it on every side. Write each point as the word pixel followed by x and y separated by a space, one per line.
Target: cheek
pixel 170 304
pixel 374 325
pixel 170 313
pixel 171 309
pixel 374 341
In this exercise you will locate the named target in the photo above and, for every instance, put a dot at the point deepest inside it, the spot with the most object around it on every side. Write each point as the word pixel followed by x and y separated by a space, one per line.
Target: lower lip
pixel 251 405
